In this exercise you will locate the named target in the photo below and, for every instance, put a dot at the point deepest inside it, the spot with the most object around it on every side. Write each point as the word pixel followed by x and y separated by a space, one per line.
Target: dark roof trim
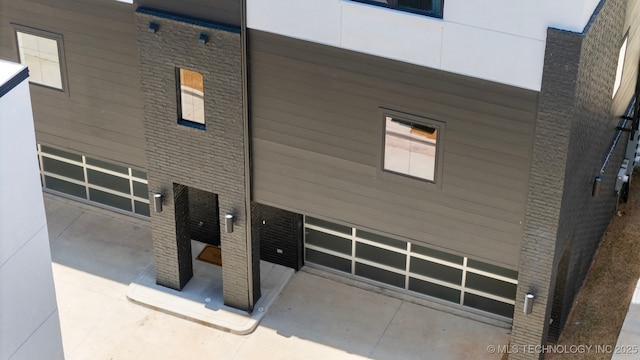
pixel 175 17
pixel 14 81
pixel 593 17
pixel 587 26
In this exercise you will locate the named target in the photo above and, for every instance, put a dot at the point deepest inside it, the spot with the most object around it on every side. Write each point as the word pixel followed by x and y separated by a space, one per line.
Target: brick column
pixel 209 159
pixel 575 126
pixel 546 185
pixel 171 243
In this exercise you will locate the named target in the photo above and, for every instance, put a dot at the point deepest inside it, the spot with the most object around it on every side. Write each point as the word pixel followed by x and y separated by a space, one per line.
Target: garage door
pixel 403 265
pixel 85 178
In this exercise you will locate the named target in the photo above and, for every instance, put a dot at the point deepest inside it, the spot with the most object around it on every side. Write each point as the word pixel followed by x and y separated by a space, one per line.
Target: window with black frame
pixel 425 7
pixel 191 98
pixel 410 148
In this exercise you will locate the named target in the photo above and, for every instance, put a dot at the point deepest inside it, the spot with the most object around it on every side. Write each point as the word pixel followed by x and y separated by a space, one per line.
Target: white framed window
pixel 191 98
pixel 620 68
pixel 411 146
pixel 42 54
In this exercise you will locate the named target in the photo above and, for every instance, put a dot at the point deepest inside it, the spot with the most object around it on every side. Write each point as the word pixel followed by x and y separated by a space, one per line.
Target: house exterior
pixel 464 153
pixel 29 324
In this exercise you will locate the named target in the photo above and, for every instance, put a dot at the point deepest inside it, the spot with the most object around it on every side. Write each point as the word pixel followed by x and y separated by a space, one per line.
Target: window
pixel 410 147
pixel 191 101
pixel 41 55
pixel 425 7
pixel 621 55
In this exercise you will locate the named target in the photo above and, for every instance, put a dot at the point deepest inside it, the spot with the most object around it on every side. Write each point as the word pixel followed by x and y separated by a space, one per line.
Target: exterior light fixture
pixel 204 38
pixel 157 202
pixel 597 184
pixel 528 303
pixel 228 223
pixel 153 27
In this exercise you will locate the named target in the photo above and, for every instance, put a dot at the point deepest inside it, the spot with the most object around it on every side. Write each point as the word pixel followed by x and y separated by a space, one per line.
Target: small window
pixel 621 55
pixel 410 148
pixel 42 56
pixel 191 101
pixel 426 7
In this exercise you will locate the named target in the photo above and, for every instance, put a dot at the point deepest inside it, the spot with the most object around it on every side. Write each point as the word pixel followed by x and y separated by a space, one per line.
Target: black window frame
pixel 181 120
pixel 439 146
pixel 393 4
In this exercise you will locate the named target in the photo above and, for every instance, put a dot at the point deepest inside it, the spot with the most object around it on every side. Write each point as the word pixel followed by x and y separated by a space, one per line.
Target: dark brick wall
pixel 183 237
pixel 557 308
pixel 204 215
pixel 280 234
pixel 583 217
pixel 574 128
pixel 211 160
pixel 549 157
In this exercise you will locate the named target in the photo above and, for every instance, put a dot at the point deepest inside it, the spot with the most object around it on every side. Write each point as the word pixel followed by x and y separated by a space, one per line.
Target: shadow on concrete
pixel 201 300
pixel 330 318
pixel 97 241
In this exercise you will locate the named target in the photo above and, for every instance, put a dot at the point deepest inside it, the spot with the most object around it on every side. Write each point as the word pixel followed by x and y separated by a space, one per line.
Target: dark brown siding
pixel 222 11
pixel 317 129
pixel 100 113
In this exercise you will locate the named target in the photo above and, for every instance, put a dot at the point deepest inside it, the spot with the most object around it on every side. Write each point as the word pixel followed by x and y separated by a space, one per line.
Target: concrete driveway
pixel 96 255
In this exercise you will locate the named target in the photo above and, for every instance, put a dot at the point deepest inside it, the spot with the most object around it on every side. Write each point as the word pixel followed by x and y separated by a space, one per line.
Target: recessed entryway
pixel 204 223
pixel 211 254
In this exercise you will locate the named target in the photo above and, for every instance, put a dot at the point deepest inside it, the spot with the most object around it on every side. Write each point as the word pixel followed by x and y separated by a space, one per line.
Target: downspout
pixel 247 150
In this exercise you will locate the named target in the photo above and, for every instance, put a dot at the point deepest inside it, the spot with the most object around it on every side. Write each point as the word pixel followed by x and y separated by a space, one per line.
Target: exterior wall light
pixel 203 38
pixel 157 202
pixel 228 223
pixel 153 27
pixel 528 303
pixel 597 184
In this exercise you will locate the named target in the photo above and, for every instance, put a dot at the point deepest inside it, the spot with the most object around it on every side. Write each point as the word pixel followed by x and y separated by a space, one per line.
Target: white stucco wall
pixel 29 325
pixel 497 40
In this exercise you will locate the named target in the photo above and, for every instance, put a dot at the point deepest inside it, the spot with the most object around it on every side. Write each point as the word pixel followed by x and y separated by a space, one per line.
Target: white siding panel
pixel 493 56
pixel 42 344
pixel 522 18
pixel 570 15
pixel 21 205
pixel 313 20
pixel 27 294
pixel 496 40
pixel 29 298
pixel 396 35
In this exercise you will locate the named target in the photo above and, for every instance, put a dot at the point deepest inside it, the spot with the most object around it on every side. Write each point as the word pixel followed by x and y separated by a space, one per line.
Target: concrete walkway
pixel 201 299
pixel 628 345
pixel 97 254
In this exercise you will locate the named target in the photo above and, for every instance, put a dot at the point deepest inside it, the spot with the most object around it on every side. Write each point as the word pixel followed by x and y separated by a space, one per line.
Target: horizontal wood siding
pixel 316 144
pixel 221 11
pixel 100 113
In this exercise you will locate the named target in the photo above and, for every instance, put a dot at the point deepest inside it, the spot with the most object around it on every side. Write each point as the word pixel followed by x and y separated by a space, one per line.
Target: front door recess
pixel 204 220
